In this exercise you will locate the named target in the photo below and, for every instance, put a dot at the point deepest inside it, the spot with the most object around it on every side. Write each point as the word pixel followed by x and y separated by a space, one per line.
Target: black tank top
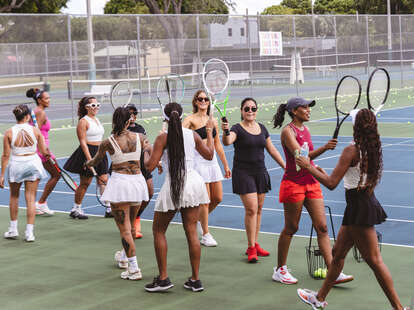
pixel 202 132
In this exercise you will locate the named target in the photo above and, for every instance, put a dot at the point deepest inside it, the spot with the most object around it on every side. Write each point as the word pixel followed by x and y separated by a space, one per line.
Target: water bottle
pixel 304 149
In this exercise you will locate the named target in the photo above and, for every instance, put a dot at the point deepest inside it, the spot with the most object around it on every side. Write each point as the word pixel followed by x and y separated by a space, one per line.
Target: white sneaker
pixel 208 240
pixel 283 275
pixel 122 263
pixel 343 278
pixel 42 208
pixel 29 236
pixel 11 234
pixel 131 275
pixel 309 297
pixel 199 229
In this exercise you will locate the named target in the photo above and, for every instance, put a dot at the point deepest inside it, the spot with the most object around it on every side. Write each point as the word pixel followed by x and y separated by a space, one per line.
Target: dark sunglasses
pixel 201 99
pixel 135 113
pixel 247 109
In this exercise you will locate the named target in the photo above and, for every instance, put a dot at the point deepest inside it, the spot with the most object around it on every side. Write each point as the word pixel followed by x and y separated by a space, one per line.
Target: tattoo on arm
pixel 119 216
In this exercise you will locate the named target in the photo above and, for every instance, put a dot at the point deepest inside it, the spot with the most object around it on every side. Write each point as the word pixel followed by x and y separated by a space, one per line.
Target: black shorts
pixel 76 162
pixel 245 182
pixel 362 208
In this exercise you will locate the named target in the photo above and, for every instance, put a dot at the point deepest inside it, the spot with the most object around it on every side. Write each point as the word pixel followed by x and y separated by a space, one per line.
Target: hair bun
pixel 31 93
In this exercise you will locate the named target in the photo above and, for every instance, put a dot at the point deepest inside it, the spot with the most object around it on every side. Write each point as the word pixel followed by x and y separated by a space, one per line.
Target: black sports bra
pixel 202 132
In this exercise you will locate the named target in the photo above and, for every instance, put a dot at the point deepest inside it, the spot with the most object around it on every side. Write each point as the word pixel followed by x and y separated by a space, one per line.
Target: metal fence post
pixel 401 53
pixel 70 68
pixel 249 46
pixel 368 58
pixel 198 50
pixel 296 60
pixel 336 50
pixel 46 62
pixel 139 63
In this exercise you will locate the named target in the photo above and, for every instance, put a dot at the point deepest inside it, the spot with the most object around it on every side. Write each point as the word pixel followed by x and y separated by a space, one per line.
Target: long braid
pixel 368 141
pixel 176 153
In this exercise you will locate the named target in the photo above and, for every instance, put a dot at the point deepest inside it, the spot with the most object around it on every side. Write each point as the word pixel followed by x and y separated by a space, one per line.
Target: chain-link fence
pixel 54 49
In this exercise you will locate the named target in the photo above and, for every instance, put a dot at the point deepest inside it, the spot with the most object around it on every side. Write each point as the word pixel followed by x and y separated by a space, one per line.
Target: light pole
pixel 92 66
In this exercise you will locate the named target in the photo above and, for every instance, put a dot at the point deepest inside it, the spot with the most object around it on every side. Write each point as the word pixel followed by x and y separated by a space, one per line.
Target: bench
pixel 103 91
pixel 239 76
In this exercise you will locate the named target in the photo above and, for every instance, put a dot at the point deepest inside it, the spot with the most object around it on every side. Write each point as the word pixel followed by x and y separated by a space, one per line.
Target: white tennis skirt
pixel 126 188
pixel 25 168
pixel 194 193
pixel 208 169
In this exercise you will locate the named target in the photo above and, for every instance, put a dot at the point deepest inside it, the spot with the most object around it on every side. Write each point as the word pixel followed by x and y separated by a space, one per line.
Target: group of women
pixel 193 186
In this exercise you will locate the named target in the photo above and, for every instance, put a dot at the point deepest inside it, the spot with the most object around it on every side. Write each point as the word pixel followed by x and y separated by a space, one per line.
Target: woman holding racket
pixel 42 100
pixel 208 169
pixel 25 166
pixel 251 181
pixel 183 190
pixel 126 189
pixel 299 188
pixel 90 132
pixel 360 165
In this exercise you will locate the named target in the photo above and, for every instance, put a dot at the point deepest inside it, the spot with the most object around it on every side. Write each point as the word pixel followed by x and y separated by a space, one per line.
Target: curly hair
pixel 82 106
pixel 279 117
pixel 194 102
pixel 120 118
pixel 367 140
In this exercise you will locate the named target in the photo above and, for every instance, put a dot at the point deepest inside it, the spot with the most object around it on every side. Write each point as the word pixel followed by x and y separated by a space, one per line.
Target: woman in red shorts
pixel 299 188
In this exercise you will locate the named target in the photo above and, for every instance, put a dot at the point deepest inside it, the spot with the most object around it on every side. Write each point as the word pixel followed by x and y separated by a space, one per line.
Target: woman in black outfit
pixel 250 178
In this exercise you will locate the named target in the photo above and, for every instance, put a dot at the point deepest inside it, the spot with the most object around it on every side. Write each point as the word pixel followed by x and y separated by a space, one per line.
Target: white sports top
pixel 352 176
pixel 95 131
pixel 189 150
pixel 119 157
pixel 24 129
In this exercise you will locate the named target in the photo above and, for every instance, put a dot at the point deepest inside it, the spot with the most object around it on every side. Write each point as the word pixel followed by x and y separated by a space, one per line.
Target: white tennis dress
pixel 23 167
pixel 125 187
pixel 194 192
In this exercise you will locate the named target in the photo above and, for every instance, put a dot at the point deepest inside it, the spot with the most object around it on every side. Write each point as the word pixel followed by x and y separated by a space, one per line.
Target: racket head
pixel 221 106
pixel 347 95
pixel 216 76
pixel 170 88
pixel 121 94
pixel 68 180
pixel 99 194
pixel 377 89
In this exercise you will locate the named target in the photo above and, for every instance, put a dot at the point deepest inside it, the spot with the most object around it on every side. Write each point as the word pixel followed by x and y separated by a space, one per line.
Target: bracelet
pixel 208 129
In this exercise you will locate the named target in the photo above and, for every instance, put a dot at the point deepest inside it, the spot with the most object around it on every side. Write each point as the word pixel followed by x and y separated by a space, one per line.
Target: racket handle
pixel 226 131
pixel 93 171
pixel 336 133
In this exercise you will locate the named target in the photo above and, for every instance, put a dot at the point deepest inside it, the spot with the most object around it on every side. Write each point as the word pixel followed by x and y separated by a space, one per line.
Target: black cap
pixel 131 106
pixel 296 102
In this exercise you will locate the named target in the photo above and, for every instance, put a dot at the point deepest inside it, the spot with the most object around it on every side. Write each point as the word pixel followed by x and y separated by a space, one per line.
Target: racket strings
pixel 378 89
pixel 347 95
pixel 216 81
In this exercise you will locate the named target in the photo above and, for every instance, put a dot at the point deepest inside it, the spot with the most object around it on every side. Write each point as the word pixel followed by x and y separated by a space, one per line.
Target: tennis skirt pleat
pixel 25 168
pixel 208 169
pixel 125 188
pixel 194 193
pixel 76 162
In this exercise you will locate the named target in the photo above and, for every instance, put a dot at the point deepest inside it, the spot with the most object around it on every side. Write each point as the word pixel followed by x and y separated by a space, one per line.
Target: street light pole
pixel 92 66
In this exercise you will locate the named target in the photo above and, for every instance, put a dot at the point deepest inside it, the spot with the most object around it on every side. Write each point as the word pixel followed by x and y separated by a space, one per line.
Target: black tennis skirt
pixel 76 162
pixel 362 208
pixel 245 182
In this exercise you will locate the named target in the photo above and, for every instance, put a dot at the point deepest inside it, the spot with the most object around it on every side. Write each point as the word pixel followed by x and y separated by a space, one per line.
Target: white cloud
pixel 79 6
pixel 253 6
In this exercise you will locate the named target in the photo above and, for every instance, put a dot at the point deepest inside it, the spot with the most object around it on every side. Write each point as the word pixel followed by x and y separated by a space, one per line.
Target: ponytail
pixel 175 149
pixel 279 117
pixel 81 106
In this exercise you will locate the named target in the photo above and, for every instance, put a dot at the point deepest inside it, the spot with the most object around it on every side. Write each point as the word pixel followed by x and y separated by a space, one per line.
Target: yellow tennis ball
pixel 318 273
pixel 378 115
pixel 63 126
pixel 266 109
pixel 324 273
pixel 408 122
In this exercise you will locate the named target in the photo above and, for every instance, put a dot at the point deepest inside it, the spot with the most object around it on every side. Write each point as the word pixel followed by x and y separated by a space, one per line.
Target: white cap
pixel 353 114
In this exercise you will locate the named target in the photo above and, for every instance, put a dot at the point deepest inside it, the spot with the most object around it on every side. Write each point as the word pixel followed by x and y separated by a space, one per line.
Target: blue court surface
pixel 394 192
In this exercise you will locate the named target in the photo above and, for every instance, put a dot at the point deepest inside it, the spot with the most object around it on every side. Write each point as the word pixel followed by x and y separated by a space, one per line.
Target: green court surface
pixel 71 266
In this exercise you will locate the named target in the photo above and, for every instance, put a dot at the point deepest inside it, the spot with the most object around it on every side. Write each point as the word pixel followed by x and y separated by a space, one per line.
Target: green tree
pixel 32 6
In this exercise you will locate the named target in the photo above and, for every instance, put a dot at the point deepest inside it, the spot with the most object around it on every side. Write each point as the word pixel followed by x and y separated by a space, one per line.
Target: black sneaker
pixel 159 285
pixel 78 215
pixel 196 285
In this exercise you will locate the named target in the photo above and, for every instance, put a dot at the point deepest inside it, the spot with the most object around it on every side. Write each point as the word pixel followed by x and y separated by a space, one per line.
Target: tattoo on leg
pixel 119 216
pixel 126 246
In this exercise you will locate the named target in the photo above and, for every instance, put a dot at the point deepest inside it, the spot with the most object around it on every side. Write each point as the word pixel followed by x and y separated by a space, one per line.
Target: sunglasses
pixel 93 105
pixel 135 113
pixel 247 109
pixel 201 99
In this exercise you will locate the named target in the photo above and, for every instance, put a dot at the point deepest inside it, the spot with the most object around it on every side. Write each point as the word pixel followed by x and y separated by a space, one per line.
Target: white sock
pixel 13 225
pixel 132 263
pixel 29 228
pixel 76 207
pixel 123 255
pixel 108 209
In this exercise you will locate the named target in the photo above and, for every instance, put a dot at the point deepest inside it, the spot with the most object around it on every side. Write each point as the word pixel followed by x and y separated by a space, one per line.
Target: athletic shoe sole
pixel 276 278
pixel 131 277
pixel 159 288
pixel 307 302
pixel 344 281
pixel 12 237
pixel 200 289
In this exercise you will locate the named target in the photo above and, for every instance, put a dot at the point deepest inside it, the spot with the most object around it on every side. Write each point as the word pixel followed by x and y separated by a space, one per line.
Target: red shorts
pixel 293 192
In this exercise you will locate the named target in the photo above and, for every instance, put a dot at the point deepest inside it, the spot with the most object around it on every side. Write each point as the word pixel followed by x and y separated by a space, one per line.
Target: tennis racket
pixel 216 76
pixel 170 88
pixel 378 89
pixel 65 176
pixel 34 120
pixel 347 96
pixel 98 188
pixel 121 94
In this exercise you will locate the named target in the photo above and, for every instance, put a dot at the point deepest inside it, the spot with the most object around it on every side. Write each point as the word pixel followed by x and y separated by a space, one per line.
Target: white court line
pixel 227 228
pixel 386 171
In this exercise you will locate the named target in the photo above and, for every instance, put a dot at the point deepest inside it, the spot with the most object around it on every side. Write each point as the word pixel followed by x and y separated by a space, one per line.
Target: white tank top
pixel 28 129
pixel 95 131
pixel 352 176
pixel 118 157
pixel 189 150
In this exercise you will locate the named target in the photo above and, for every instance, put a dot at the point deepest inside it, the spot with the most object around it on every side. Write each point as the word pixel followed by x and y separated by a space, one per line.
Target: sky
pixel 97 6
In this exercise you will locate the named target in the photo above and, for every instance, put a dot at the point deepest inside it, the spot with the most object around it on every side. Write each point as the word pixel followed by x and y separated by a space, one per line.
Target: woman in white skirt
pixel 126 188
pixel 208 169
pixel 22 141
pixel 183 190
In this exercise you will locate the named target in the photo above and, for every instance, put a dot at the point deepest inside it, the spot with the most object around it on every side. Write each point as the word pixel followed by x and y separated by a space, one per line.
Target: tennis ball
pixel 318 273
pixel 378 115
pixel 63 126
pixel 324 273
pixel 408 122
pixel 267 109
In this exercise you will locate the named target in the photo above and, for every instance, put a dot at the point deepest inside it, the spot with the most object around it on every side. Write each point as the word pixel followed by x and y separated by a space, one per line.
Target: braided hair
pixel 368 142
